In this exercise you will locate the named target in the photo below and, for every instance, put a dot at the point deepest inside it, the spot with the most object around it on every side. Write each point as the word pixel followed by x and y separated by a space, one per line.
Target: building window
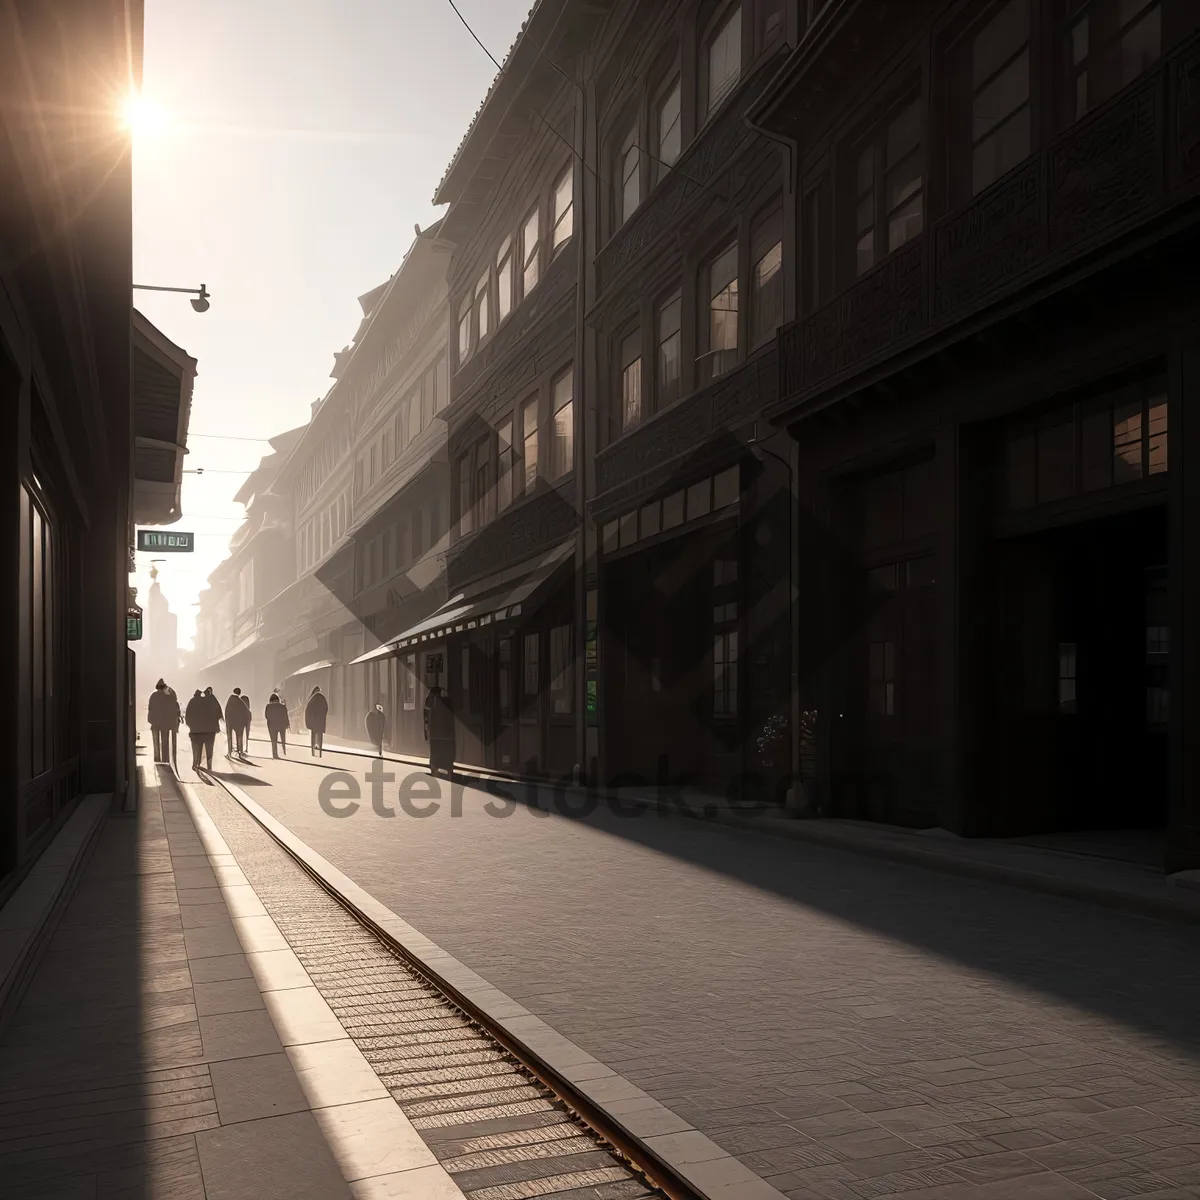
pixel 481 309
pixel 40 638
pixel 668 138
pixel 1066 677
pixel 891 214
pixel 631 380
pixel 441 383
pixel 531 681
pixel 504 280
pixel 1099 444
pixel 465 506
pixel 1000 112
pixel 723 60
pixel 504 466
pixel 725 673
pixel 529 443
pixel 531 259
pixel 668 359
pixel 562 453
pixel 1108 44
pixel 504 677
pixel 882 678
pixel 484 498
pixel 564 210
pixel 721 315
pixel 766 279
pixel 629 174
pixel 817 264
pixel 464 330
pixel 561 663
pixel 410 682
pixel 771 20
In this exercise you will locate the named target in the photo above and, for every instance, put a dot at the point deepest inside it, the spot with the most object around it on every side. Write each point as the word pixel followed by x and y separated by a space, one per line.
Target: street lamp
pixel 199 295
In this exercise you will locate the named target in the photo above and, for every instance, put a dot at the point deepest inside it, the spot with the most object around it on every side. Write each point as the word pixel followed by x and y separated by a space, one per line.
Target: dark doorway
pixel 1082 672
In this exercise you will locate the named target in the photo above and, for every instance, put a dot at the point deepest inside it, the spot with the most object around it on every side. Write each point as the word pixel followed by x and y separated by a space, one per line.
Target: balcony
pixel 692 435
pixel 1132 161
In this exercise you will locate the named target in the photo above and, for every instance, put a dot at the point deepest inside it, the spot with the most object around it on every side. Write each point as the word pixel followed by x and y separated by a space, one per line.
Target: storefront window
pixel 561 672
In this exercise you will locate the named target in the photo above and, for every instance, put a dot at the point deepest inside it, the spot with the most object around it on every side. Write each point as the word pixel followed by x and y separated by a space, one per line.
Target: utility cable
pixel 586 165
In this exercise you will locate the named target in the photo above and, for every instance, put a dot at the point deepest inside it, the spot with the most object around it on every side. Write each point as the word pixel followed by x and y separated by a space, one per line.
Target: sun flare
pixel 141 116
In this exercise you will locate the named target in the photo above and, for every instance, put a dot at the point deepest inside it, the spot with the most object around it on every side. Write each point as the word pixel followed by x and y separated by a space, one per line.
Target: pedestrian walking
pixel 203 717
pixel 376 726
pixel 176 714
pixel 439 731
pixel 249 718
pixel 278 723
pixel 158 717
pixel 235 723
pixel 316 713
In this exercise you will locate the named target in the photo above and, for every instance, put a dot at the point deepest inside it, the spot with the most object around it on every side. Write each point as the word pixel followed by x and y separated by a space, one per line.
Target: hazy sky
pixel 302 140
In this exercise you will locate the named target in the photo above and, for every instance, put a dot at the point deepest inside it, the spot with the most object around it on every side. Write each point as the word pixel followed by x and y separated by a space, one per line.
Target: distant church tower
pixel 160 656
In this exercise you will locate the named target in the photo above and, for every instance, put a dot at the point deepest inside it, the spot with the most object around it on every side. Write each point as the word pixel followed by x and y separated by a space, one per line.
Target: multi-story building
pixel 91 444
pixel 346 523
pixel 238 648
pixel 401 490
pixel 506 642
pixel 991 204
pixel 685 292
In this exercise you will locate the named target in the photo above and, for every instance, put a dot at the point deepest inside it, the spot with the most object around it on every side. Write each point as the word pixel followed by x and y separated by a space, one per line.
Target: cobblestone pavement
pixel 499 1134
pixel 847 1027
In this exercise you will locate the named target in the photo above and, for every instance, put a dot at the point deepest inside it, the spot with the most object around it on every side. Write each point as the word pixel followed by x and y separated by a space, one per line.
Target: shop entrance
pixel 1082 667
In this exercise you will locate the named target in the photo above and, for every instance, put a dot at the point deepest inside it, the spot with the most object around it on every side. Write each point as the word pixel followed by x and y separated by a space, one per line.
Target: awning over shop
pixel 317 666
pixel 496 599
pixel 244 644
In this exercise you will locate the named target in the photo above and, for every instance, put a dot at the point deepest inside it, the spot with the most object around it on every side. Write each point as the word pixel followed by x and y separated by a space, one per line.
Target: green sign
pixel 133 624
pixel 593 702
pixel 169 540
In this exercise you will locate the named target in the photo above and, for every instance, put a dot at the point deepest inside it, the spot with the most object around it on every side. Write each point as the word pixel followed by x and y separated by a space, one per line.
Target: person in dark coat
pixel 316 712
pixel 172 735
pixel 278 723
pixel 439 731
pixel 158 716
pixel 376 725
pixel 203 719
pixel 235 723
pixel 249 718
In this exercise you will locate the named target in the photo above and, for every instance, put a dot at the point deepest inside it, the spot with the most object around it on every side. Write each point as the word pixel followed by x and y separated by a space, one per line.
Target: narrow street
pixel 843 1026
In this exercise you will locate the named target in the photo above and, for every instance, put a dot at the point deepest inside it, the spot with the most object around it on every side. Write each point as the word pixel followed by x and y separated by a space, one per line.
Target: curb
pixel 710 1170
pixel 1183 909
pixel 290 1004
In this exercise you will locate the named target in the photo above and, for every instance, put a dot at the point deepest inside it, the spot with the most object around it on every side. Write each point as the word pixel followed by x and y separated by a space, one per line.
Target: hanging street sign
pixel 133 623
pixel 169 540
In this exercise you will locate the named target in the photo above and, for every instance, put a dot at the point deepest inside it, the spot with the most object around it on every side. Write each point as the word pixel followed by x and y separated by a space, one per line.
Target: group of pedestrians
pixel 204 715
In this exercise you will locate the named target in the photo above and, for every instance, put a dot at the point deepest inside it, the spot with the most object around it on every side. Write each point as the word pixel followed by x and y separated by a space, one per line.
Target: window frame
pixel 567 178
pixel 768 222
pixel 659 97
pixel 629 145
pixel 709 104
pixel 558 470
pixel 660 398
pixel 629 376
pixel 706 359
pixel 531 257
pixel 872 145
pixel 504 262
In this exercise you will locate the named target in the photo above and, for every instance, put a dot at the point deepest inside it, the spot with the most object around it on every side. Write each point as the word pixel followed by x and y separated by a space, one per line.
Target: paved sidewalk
pixel 142 1061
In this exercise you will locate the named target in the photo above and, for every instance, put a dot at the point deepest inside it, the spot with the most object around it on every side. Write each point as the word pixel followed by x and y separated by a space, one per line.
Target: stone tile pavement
pixel 846 1026
pixel 142 1061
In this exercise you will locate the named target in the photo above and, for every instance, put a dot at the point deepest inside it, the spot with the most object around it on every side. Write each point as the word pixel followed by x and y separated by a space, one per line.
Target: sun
pixel 141 116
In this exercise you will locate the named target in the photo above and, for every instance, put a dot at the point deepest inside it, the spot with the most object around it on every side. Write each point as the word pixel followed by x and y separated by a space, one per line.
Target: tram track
pixel 504 1124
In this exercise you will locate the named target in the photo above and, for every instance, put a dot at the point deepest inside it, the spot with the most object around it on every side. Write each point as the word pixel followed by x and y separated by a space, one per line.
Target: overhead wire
pixel 586 165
